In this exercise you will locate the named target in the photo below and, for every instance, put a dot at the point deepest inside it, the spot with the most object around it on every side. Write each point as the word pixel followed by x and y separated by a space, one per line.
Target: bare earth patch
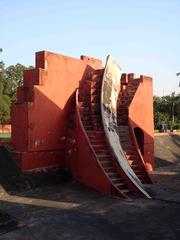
pixel 70 211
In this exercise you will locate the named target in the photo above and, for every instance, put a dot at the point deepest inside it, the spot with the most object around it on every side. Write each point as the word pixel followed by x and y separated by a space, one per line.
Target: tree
pixel 4 111
pixel 13 78
pixel 4 99
pixel 167 110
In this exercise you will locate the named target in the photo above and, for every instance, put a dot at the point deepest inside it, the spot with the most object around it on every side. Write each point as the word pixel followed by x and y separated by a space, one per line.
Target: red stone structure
pixel 39 118
pixel 53 124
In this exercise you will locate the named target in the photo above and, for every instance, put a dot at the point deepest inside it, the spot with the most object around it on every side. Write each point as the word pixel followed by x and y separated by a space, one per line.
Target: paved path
pixel 70 211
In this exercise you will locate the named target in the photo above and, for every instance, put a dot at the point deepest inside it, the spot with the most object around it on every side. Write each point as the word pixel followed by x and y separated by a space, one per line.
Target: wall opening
pixel 140 138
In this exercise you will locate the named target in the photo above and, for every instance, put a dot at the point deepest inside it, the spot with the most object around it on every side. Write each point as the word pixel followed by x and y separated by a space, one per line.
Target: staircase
pixel 126 134
pixel 88 118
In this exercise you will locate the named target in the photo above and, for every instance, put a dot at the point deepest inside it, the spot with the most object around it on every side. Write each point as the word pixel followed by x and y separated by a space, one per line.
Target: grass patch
pixel 5 136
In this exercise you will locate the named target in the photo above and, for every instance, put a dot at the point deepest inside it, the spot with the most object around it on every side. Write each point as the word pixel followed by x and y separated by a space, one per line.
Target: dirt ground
pixel 68 210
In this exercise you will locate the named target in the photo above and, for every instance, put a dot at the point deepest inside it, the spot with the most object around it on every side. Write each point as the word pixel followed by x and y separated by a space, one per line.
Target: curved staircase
pixel 99 166
pixel 126 133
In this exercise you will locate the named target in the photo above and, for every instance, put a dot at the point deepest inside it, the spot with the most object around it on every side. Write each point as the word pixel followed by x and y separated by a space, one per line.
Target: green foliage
pixel 5 136
pixel 11 78
pixel 167 110
pixel 4 110
pixel 4 100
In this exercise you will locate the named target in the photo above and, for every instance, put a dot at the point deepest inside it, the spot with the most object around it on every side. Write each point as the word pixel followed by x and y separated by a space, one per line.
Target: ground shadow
pixel 8 223
pixel 95 217
pixel 13 179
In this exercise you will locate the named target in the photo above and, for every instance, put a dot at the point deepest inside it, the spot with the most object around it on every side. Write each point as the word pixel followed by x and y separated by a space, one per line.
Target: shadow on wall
pixel 41 124
pixel 13 179
pixel 166 148
pixel 140 138
pixel 40 128
pixel 37 125
pixel 145 143
pixel 40 133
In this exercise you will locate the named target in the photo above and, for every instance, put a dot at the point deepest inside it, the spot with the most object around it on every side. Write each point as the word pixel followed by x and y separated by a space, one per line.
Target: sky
pixel 142 35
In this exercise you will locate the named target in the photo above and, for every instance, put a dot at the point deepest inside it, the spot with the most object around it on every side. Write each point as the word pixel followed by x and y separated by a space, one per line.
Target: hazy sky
pixel 142 35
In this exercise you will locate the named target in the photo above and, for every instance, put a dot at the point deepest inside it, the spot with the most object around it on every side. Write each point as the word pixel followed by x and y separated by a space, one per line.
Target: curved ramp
pixel 127 137
pixel 109 94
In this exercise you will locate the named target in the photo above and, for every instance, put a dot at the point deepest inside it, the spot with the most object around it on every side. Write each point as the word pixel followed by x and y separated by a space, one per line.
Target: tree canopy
pixel 11 78
pixel 167 110
pixel 4 99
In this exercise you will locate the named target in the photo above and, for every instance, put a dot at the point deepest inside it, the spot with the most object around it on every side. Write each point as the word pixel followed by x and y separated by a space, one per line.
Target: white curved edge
pixel 109 94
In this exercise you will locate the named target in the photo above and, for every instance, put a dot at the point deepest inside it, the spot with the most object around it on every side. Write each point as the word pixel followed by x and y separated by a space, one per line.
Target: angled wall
pixel 40 114
pixel 141 116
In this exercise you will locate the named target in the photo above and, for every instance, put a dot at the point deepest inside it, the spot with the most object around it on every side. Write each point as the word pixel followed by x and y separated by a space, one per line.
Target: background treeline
pixel 11 78
pixel 166 108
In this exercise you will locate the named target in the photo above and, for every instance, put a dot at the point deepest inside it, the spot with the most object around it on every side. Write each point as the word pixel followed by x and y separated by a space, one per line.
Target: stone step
pixel 121 185
pixel 88 127
pixel 132 156
pixel 125 191
pixel 116 180
pixel 102 152
pixel 109 169
pixel 86 117
pixel 113 174
pixel 106 163
pixel 103 155
pixel 100 147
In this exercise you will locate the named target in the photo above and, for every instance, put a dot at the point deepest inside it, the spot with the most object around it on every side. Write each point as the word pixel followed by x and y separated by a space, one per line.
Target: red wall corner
pixel 40 114
pixel 141 115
